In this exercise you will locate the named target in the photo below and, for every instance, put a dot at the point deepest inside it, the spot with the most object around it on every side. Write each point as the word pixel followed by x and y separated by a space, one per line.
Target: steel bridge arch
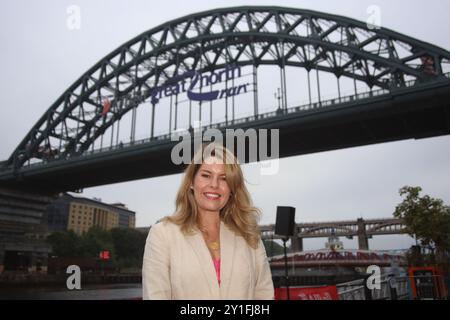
pixel 264 35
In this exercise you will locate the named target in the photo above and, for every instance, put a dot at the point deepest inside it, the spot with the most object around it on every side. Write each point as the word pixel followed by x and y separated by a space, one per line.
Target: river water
pixel 122 291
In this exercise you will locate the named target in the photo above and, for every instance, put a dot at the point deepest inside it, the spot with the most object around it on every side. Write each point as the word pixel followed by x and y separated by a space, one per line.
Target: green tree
pixel 65 244
pixel 129 246
pixel 273 248
pixel 427 219
pixel 96 240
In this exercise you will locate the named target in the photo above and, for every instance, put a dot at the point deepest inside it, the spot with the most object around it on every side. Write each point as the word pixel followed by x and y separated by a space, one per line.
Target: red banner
pixel 104 255
pixel 106 107
pixel 310 293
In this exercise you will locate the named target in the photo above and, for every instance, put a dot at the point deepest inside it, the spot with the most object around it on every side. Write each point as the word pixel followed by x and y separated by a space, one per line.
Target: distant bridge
pixel 363 229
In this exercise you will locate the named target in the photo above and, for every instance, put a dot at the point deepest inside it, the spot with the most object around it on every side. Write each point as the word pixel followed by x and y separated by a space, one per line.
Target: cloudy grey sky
pixel 41 58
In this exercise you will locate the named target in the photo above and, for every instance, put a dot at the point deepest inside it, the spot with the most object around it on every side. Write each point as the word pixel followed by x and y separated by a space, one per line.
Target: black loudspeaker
pixel 285 223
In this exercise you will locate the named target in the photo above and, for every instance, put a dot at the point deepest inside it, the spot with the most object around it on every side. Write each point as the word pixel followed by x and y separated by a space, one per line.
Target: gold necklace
pixel 213 245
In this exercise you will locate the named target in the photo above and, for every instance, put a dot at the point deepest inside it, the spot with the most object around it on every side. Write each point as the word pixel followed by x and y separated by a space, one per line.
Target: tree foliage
pixel 126 246
pixel 129 246
pixel 273 248
pixel 65 244
pixel 426 218
pixel 95 241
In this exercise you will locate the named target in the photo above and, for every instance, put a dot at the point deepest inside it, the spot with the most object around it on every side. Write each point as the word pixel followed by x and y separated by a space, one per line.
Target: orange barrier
pixel 427 283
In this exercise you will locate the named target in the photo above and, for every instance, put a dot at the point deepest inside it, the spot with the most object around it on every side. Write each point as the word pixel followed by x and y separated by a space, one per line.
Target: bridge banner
pixel 307 293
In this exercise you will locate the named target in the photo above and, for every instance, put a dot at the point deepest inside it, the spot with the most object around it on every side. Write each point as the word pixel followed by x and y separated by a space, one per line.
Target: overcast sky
pixel 40 58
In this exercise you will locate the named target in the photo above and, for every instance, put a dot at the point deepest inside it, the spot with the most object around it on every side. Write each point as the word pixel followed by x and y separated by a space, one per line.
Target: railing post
pixel 255 91
pixel 391 282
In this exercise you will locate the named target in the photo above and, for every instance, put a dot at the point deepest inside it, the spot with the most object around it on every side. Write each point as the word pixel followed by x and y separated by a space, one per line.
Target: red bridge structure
pixel 352 258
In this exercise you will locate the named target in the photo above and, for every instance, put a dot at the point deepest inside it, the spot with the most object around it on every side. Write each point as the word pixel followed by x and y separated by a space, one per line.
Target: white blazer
pixel 178 266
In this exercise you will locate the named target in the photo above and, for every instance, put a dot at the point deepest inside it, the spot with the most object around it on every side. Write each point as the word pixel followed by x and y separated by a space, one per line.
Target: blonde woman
pixel 211 247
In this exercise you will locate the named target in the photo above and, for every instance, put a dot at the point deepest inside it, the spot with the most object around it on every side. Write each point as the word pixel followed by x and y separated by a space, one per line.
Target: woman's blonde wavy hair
pixel 238 214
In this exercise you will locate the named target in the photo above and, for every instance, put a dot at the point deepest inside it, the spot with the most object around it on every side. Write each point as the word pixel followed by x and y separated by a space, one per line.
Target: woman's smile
pixel 212 196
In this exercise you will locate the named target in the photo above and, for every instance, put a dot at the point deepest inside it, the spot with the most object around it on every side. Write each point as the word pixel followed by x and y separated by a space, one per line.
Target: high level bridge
pixel 363 229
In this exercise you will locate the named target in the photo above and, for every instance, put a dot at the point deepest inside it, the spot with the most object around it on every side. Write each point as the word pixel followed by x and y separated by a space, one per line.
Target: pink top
pixel 217 267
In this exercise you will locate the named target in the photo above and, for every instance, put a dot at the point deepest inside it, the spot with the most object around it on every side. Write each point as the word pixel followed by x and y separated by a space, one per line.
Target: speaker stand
pixel 286 276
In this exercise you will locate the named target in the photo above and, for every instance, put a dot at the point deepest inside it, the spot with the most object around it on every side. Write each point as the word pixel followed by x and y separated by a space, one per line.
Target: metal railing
pixel 391 288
